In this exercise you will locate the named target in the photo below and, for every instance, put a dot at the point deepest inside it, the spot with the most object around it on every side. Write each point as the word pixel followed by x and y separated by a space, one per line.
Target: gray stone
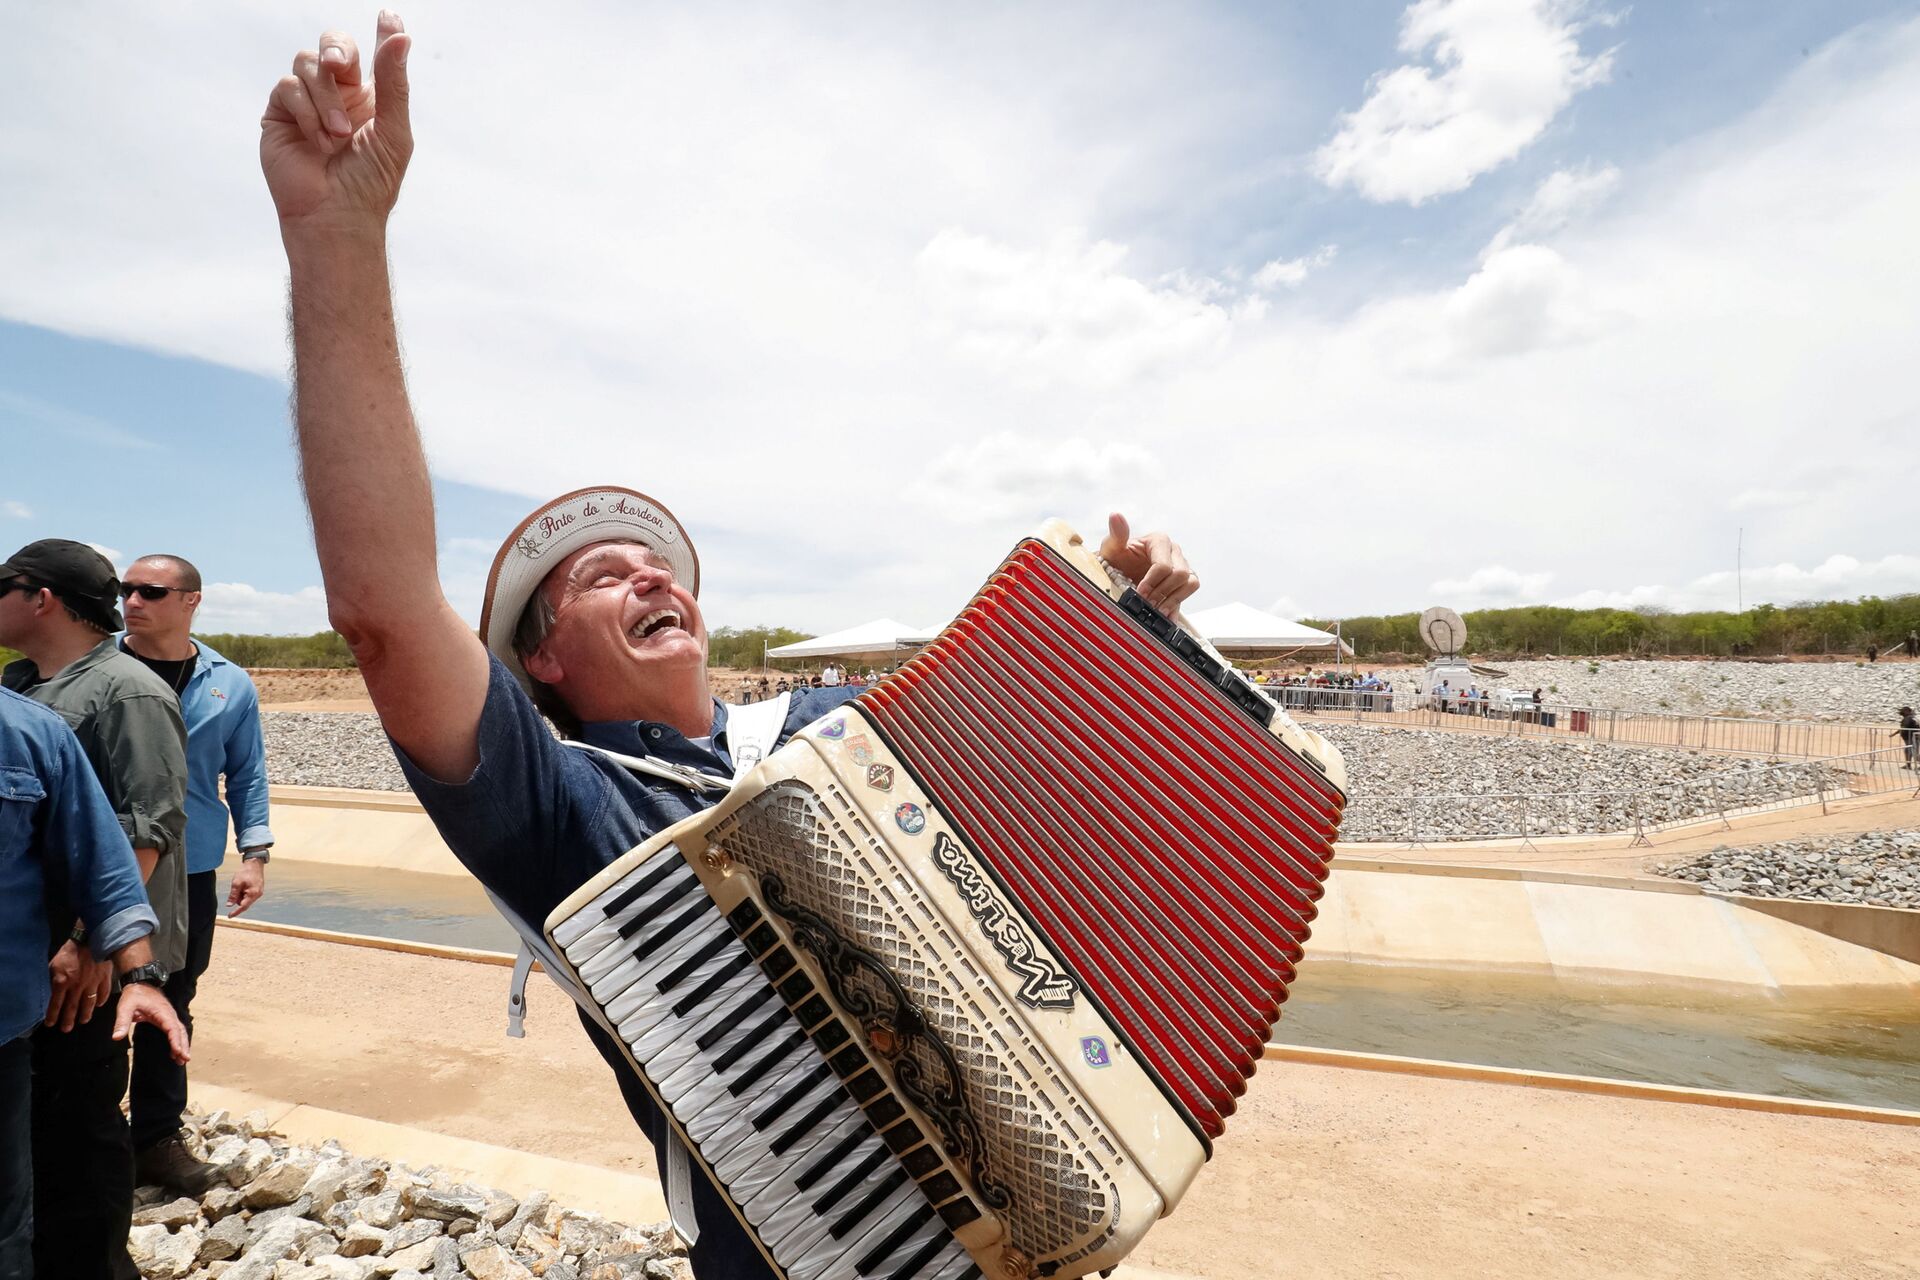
pixel 445 1204
pixel 174 1213
pixel 491 1262
pixel 417 1257
pixel 412 1232
pixel 161 1254
pixel 227 1238
pixel 299 1208
pixel 384 1210
pixel 363 1238
pixel 220 1201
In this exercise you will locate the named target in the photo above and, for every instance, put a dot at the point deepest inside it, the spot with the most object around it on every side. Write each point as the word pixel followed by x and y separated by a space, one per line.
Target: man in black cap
pixel 57 608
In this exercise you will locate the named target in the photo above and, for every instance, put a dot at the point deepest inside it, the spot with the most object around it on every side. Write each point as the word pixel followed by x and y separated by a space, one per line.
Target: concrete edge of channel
pixel 1432 1067
pixel 1440 1069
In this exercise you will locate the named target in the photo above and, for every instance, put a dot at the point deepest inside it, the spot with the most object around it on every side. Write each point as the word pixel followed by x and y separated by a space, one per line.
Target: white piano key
pixel 643 1005
pixel 590 950
pixel 672 1044
pixel 578 924
pixel 828 1256
pixel 615 979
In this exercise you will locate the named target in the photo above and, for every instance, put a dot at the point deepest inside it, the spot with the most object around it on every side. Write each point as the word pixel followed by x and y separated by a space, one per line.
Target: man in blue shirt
pixel 161 594
pixel 59 841
pixel 591 610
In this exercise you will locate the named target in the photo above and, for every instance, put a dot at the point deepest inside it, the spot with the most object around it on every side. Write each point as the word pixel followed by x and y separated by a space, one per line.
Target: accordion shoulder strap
pixel 752 732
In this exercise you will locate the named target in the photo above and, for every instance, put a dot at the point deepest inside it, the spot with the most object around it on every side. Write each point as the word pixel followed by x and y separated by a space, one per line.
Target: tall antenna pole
pixel 1739 582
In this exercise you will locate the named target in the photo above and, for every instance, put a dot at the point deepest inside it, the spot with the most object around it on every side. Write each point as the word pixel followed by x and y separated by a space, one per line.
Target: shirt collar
pixel 649 737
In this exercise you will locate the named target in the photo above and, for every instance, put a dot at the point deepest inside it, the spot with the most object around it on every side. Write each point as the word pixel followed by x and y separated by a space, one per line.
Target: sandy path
pixel 1325 1172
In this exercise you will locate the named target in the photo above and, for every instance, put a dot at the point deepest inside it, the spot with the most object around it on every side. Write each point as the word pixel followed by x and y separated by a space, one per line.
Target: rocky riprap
pixel 1878 869
pixel 1433 785
pixel 1773 690
pixel 1385 765
pixel 329 749
pixel 288 1212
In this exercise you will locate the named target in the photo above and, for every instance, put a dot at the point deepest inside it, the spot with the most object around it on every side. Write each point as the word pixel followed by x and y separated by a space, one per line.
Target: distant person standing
pixel 222 711
pixel 1873 652
pixel 830 676
pixel 58 610
pixel 1913 644
pixel 1909 735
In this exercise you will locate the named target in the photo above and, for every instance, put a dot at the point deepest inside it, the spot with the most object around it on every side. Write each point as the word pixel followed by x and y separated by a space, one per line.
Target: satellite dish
pixel 1442 629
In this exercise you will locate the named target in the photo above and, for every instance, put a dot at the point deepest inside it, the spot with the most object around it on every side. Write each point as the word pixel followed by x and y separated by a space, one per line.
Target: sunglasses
pixel 16 585
pixel 146 590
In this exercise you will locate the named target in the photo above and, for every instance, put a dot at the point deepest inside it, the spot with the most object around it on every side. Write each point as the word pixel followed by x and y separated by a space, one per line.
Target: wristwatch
pixel 153 973
pixel 261 854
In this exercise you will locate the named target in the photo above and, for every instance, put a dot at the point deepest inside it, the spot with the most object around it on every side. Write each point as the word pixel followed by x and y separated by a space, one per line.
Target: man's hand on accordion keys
pixel 1153 560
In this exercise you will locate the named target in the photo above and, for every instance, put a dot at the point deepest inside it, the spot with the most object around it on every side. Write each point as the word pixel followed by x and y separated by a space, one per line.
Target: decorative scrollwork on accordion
pixel 938 1092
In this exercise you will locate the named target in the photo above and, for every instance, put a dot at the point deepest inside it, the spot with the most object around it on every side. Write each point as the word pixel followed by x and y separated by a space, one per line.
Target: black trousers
pixel 16 1159
pixel 82 1153
pixel 158 1092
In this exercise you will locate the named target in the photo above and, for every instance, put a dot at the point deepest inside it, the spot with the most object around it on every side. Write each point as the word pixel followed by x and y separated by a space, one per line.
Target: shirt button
pixel 653 733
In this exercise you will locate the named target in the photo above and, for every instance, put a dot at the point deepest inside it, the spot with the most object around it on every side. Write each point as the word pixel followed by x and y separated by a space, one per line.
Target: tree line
pixel 1830 626
pixel 1813 627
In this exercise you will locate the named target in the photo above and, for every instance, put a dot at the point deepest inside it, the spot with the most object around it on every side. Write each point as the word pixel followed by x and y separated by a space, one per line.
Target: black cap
pixel 75 572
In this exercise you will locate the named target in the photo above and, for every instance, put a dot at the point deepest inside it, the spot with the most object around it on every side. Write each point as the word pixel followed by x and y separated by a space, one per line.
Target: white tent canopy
pixel 1241 630
pixel 881 638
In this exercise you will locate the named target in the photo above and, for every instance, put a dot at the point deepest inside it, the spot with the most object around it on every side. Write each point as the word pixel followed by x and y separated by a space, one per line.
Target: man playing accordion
pixel 592 612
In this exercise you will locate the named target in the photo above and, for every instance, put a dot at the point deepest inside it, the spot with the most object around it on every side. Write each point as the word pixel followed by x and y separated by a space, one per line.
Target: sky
pixel 1372 305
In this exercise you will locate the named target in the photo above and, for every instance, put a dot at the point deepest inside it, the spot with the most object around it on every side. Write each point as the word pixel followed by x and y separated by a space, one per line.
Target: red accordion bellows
pixel 1168 847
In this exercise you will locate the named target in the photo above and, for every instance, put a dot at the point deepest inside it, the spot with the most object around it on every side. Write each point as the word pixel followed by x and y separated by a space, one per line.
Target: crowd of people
pixel 751 689
pixel 116 736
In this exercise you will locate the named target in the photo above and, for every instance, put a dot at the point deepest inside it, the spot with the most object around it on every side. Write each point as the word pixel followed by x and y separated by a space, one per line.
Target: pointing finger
pixel 391 88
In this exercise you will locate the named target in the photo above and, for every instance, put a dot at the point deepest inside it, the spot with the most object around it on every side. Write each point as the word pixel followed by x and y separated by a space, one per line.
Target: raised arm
pixel 334 146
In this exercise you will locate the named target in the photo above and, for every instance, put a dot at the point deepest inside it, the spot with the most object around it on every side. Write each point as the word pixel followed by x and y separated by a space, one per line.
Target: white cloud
pixel 1291 273
pixel 1522 298
pixel 719 315
pixel 1290 609
pixel 17 510
pixel 1502 70
pixel 117 558
pixel 1005 477
pixel 236 607
pixel 1838 577
pixel 1066 310
pixel 1561 197
pixel 1490 587
pixel 1766 499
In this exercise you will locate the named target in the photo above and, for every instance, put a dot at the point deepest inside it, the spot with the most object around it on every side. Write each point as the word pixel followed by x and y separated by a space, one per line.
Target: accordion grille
pixel 1038 1145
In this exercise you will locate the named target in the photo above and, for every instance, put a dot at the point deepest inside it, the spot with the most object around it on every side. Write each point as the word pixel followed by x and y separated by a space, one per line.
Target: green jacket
pixel 129 725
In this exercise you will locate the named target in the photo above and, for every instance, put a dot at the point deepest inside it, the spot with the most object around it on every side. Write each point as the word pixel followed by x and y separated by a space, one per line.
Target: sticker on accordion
pixel 1094 1050
pixel 834 730
pixel 911 819
pixel 880 777
pixel 1043 984
pixel 859 750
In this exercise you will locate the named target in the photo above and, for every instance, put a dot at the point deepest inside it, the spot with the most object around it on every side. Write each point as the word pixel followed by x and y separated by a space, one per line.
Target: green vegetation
pixel 321 649
pixel 1831 626
pixel 742 646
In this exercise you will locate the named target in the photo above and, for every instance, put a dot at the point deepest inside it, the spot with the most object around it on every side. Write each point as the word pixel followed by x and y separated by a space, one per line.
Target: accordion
pixel 965 979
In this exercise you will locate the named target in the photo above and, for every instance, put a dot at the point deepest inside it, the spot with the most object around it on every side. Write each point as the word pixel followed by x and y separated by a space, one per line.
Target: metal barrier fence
pixel 1418 819
pixel 1727 735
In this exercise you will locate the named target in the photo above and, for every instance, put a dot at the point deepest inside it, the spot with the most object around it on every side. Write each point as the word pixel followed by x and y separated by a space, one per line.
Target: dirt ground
pixel 1324 1172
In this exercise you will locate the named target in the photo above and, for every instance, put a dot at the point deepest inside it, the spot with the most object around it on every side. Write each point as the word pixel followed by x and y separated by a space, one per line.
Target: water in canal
pixel 1853 1047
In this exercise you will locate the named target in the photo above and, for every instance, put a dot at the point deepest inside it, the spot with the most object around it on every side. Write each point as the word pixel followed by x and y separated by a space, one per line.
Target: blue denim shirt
pixel 536 820
pixel 222 711
pixel 58 833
